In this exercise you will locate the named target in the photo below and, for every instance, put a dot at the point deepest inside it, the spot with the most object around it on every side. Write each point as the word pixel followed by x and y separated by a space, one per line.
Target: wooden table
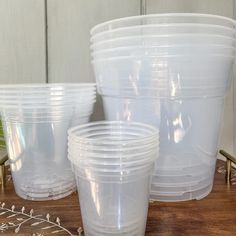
pixel 213 215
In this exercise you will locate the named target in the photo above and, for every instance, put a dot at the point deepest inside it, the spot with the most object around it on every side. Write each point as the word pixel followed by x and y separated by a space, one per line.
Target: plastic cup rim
pixel 92 124
pixel 161 25
pixel 123 19
pixel 167 36
pixel 133 48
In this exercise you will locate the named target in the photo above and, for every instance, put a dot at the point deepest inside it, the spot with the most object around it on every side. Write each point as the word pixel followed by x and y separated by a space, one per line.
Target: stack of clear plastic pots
pixel 171 71
pixel 113 163
pixel 36 118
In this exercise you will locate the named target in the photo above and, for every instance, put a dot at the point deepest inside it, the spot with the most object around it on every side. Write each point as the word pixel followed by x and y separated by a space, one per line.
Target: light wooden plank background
pixel 22 41
pixel 23 46
pixel 69 24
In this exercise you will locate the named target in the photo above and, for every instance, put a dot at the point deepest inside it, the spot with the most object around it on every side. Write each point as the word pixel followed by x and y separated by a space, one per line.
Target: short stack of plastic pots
pixel 36 118
pixel 171 71
pixel 113 163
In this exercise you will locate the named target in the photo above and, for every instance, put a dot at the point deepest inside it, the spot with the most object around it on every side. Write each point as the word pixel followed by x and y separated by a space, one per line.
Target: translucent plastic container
pixel 171 71
pixel 163 29
pixel 122 192
pixel 36 140
pixel 47 87
pixel 52 106
pixel 186 155
pixel 176 75
pixel 164 40
pixel 159 19
pixel 181 196
pixel 164 51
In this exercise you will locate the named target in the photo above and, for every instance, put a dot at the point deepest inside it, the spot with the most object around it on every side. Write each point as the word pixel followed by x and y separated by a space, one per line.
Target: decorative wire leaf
pixel 17 229
pixel 58 220
pixel 49 227
pixel 11 215
pixel 80 231
pixel 13 207
pixel 37 223
pixel 22 209
pixel 31 212
pixel 56 231
pixel 48 216
pixel 36 220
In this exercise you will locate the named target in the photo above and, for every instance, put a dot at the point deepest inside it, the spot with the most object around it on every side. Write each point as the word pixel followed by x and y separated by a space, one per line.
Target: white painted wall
pixel 69 24
pixel 22 41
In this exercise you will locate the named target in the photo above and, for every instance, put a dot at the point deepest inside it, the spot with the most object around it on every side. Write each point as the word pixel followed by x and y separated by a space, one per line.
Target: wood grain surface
pixel 214 215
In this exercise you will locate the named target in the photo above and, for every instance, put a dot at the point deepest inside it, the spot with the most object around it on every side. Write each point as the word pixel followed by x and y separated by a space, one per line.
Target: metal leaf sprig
pixel 21 217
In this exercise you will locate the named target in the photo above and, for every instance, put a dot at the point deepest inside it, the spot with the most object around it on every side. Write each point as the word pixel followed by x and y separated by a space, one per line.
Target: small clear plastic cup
pixel 112 182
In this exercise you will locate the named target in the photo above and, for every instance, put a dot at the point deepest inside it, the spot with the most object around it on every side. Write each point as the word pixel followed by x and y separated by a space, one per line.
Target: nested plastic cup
pixel 180 73
pixel 99 129
pixel 165 40
pixel 47 87
pixel 183 50
pixel 116 187
pixel 111 162
pixel 36 114
pixel 66 102
pixel 123 202
pixel 157 19
pixel 52 95
pixel 164 29
pixel 186 150
pixel 36 139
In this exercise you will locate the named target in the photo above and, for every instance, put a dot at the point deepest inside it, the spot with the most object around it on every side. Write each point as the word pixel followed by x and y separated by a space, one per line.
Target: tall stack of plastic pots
pixel 36 118
pixel 113 162
pixel 171 71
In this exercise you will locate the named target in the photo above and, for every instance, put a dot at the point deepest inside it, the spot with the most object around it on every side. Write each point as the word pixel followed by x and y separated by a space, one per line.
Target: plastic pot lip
pixel 47 94
pixel 52 99
pixel 50 95
pixel 154 133
pixel 97 28
pixel 45 111
pixel 43 120
pixel 167 46
pixel 46 116
pixel 99 156
pixel 124 158
pixel 96 58
pixel 105 130
pixel 166 57
pixel 86 148
pixel 54 86
pixel 105 171
pixel 166 37
pixel 45 105
pixel 110 167
pixel 163 39
pixel 181 184
pixel 166 88
pixel 150 48
pixel 161 25
pixel 91 147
